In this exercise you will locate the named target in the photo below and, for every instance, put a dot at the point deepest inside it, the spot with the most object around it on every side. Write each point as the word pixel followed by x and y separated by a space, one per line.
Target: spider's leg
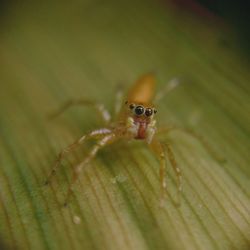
pixel 197 136
pixel 175 167
pixel 100 109
pixel 93 134
pixel 172 84
pixel 157 148
pixel 110 138
pixel 119 95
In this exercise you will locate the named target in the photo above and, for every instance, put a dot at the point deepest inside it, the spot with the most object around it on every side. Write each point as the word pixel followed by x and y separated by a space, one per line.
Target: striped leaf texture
pixel 55 51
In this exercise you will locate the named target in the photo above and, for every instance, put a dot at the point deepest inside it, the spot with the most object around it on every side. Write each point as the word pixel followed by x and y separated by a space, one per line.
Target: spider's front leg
pixel 157 148
pixel 174 166
pixel 93 134
pixel 107 139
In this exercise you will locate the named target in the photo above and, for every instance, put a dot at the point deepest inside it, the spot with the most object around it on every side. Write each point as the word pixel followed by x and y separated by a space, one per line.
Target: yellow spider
pixel 135 119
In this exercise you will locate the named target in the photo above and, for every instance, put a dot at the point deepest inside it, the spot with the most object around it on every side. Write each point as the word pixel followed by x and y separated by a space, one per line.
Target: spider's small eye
pixel 148 112
pixel 126 102
pixel 139 110
pixel 155 111
pixel 131 106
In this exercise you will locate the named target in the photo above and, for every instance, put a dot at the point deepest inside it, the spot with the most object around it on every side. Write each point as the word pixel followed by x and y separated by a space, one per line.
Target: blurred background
pixel 53 51
pixel 232 13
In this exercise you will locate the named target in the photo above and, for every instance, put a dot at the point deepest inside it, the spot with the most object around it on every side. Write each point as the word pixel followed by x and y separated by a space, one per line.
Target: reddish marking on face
pixel 141 134
pixel 143 124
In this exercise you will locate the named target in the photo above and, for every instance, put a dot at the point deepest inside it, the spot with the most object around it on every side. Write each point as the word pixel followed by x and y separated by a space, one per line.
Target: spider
pixel 135 119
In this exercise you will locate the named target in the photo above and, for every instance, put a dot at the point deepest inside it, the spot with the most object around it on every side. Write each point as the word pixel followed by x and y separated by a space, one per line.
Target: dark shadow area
pixel 233 13
pixel 5 7
pixel 236 13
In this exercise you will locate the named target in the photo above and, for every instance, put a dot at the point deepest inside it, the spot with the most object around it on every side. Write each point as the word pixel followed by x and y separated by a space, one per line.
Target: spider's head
pixel 138 110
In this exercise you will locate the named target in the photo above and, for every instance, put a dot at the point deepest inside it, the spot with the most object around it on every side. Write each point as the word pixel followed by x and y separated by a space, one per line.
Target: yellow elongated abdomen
pixel 143 90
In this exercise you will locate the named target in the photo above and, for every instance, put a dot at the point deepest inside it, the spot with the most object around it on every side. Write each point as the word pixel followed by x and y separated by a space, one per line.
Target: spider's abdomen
pixel 144 89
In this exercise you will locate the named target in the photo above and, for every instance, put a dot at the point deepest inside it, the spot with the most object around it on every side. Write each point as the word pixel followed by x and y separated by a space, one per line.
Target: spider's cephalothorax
pixel 140 121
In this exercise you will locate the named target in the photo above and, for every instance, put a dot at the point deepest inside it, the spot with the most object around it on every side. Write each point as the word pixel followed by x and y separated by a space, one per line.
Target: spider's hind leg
pixel 98 107
pixel 118 99
pixel 171 85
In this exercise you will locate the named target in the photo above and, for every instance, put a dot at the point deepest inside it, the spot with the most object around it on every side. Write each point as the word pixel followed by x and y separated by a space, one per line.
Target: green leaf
pixel 51 53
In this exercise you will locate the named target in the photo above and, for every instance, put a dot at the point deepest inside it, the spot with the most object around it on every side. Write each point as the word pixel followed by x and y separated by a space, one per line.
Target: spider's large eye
pixel 139 110
pixel 148 111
